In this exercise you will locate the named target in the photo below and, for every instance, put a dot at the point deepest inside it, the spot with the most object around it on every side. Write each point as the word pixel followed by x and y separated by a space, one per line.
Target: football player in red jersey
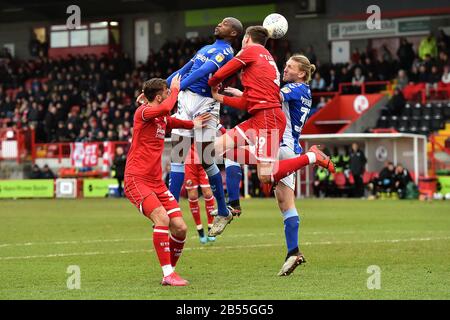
pixel 143 182
pixel 195 177
pixel 258 138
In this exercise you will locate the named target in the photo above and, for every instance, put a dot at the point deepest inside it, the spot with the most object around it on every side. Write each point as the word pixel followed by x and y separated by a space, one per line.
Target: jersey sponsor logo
pixel 306 102
pixel 220 57
pixel 228 51
pixel 201 57
pixel 286 90
pixel 160 132
pixel 212 50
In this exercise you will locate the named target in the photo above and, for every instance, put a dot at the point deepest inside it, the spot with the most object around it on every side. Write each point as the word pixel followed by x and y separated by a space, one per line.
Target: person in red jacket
pixel 143 182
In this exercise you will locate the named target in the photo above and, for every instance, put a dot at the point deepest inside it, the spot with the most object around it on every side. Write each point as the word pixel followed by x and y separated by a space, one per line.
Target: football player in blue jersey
pixel 195 99
pixel 296 104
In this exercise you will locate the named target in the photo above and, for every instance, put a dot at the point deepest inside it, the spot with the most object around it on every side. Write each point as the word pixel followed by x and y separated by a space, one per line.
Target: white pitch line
pixel 62 242
pixel 220 248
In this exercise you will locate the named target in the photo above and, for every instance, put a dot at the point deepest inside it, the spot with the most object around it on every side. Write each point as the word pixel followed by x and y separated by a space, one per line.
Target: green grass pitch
pixel 111 243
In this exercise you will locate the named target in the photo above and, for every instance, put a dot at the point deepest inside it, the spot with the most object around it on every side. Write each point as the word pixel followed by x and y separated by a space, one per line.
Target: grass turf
pixel 111 243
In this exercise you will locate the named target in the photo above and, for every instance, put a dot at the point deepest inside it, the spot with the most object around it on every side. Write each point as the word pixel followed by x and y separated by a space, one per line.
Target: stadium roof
pixel 52 10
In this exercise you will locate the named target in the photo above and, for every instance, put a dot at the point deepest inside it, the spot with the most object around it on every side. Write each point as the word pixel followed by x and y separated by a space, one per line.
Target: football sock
pixel 161 245
pixel 195 210
pixel 233 180
pixel 176 249
pixel 291 224
pixel 209 206
pixel 284 168
pixel 176 179
pixel 215 180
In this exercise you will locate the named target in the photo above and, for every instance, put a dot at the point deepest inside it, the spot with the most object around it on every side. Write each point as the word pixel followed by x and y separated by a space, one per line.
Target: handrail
pixel 363 85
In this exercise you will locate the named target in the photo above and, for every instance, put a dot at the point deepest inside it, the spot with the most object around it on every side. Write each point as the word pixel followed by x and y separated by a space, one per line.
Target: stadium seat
pixel 436 110
pixel 382 122
pixel 447 111
pixel 416 112
pixel 426 111
pixel 392 122
pixel 407 110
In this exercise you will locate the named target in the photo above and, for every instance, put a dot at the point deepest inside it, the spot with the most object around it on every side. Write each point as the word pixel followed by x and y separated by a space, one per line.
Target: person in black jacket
pixel 357 167
pixel 119 167
pixel 401 180
pixel 386 178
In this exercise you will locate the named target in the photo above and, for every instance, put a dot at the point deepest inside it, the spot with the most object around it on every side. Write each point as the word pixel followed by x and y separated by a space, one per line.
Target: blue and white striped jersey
pixel 297 103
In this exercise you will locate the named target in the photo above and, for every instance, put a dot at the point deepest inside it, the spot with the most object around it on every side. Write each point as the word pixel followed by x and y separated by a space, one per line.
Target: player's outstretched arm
pixel 230 68
pixel 185 69
pixel 207 68
pixel 235 102
pixel 164 108
pixel 197 123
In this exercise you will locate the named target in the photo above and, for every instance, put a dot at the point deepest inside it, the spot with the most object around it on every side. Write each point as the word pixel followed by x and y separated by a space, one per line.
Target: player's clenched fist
pixel 175 84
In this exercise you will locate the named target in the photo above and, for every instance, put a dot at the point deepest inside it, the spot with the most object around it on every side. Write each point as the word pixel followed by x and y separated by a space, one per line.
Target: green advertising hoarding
pixel 211 17
pixel 26 188
pixel 445 184
pixel 97 188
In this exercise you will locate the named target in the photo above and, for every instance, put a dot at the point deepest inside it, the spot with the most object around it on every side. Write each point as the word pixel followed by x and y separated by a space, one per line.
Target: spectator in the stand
pixel 357 167
pixel 402 79
pixel 35 172
pixel 433 79
pixel 119 168
pixel 384 69
pixel 443 60
pixel 357 80
pixel 423 74
pixel 318 83
pixel 62 134
pixel 401 180
pixel 386 53
pixel 397 103
pixel 50 123
pixel 47 173
pixel 405 54
pixel 333 83
pixel 356 55
pixel 446 75
pixel 428 45
pixel 413 75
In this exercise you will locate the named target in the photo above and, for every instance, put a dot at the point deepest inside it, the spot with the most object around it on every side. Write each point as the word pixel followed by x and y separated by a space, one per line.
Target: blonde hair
pixel 304 65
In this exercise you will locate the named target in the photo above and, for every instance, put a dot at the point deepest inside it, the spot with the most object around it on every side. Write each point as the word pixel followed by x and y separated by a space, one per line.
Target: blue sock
pixel 176 179
pixel 215 180
pixel 291 225
pixel 234 175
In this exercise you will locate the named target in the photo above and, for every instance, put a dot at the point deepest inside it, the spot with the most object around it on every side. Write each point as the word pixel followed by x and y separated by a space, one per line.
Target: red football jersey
pixel 147 145
pixel 260 77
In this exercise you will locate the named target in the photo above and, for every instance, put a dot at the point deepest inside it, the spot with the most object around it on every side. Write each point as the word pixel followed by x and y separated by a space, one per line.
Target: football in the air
pixel 276 24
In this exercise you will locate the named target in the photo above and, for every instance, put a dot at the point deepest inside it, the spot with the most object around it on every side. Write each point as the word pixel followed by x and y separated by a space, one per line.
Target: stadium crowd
pixel 91 98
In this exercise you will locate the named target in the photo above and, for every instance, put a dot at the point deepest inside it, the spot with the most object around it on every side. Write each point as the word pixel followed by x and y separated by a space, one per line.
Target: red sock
pixel 195 210
pixel 283 168
pixel 176 249
pixel 161 244
pixel 209 206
